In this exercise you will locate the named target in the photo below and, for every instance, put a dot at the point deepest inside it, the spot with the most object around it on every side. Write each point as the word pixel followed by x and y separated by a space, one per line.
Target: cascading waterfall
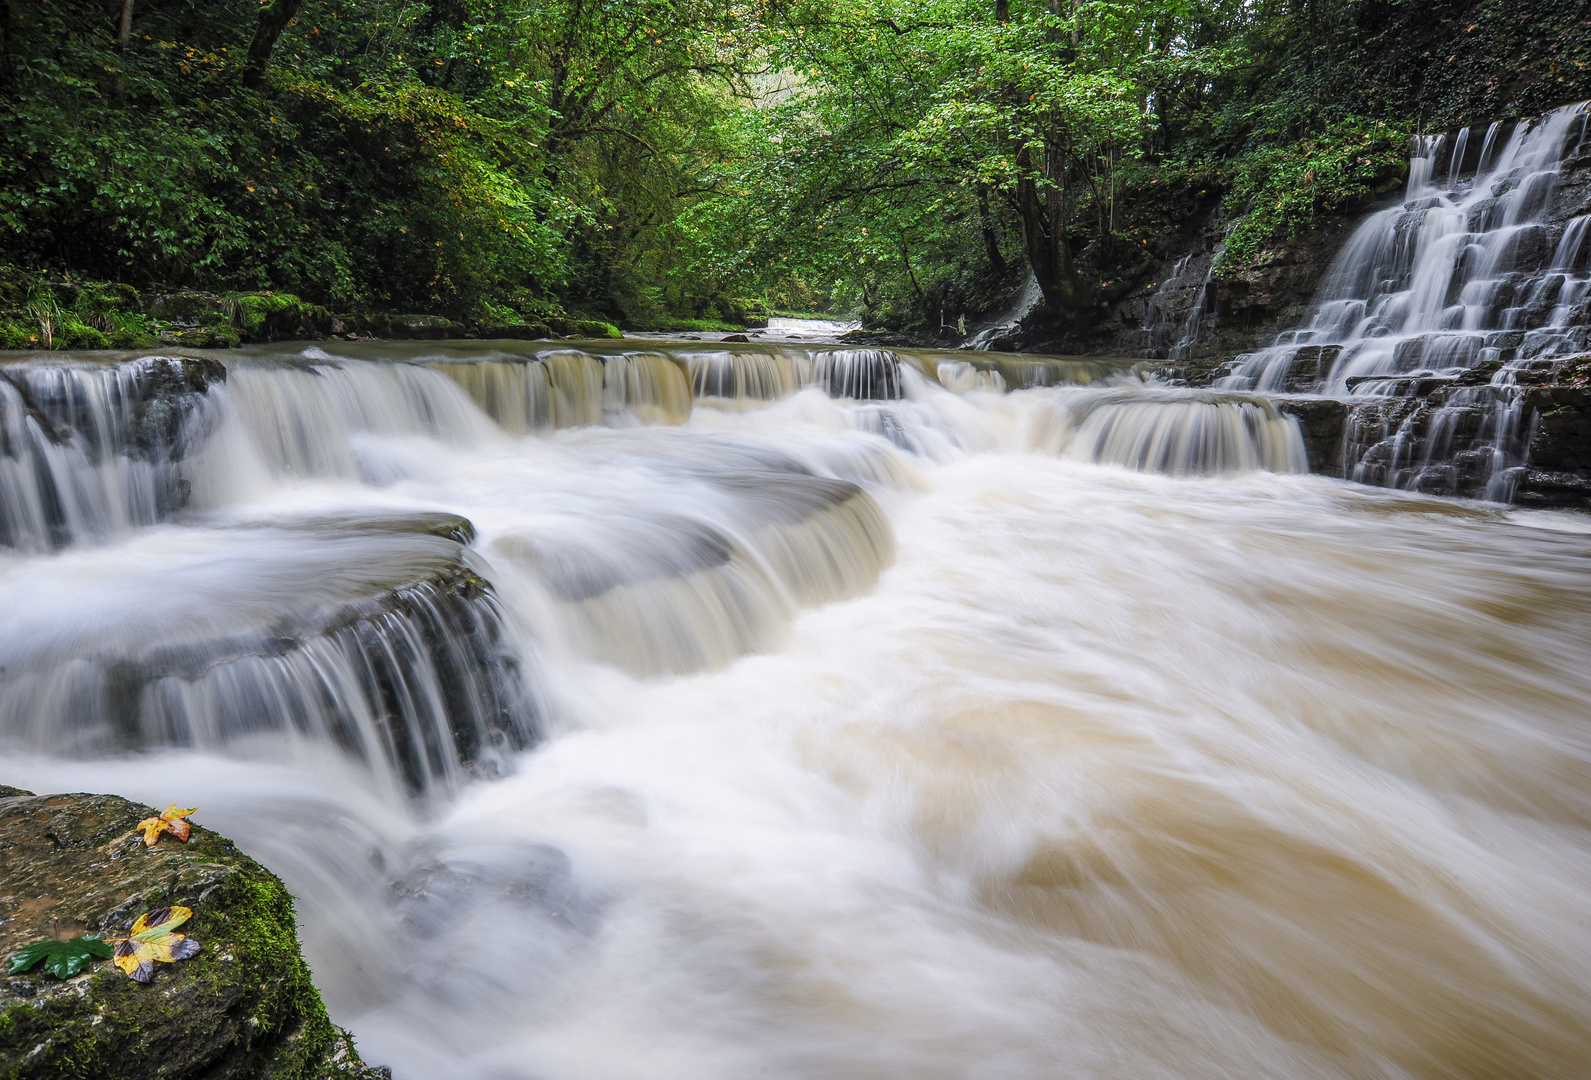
pixel 1465 290
pixel 784 709
pixel 374 668
pixel 1164 332
pixel 89 451
pixel 1176 432
pixel 381 645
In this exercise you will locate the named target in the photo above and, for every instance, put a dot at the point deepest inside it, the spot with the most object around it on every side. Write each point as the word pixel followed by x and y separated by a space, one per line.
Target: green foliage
pixel 63 959
pixel 661 161
pixel 403 155
pixel 14 335
pixel 700 326
pixel 1277 191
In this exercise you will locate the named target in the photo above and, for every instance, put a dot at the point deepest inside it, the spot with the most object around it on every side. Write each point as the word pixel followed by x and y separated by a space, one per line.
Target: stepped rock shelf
pixel 244 1007
pixel 1451 328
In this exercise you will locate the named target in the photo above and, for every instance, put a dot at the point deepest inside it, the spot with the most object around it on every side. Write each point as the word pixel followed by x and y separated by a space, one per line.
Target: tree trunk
pixel 274 18
pixel 910 276
pixel 118 92
pixel 126 28
pixel 991 240
pixel 1044 219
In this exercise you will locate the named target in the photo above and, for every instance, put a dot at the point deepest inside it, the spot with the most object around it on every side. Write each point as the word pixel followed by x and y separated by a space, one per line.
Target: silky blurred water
pixel 913 739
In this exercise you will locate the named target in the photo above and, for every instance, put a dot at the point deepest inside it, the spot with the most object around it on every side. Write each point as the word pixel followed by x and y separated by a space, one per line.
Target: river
pixel 924 730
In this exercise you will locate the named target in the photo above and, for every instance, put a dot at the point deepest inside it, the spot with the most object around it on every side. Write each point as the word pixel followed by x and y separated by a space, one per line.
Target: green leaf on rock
pixel 63 959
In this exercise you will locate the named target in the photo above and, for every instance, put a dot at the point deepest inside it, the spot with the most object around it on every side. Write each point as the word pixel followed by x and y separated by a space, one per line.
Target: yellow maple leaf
pixel 151 939
pixel 169 821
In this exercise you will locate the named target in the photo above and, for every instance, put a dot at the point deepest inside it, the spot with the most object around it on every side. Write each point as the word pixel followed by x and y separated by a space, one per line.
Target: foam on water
pixel 1064 732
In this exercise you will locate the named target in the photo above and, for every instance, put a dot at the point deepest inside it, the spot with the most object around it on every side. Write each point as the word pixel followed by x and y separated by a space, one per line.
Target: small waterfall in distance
pixel 1179 434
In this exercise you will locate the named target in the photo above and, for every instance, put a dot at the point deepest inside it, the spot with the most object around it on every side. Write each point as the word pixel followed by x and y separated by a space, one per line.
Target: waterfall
pixel 1483 276
pixel 669 593
pixel 1175 432
pixel 1006 322
pixel 1160 310
pixel 1201 306
pixel 403 660
pixel 381 645
pixel 88 451
pixel 1174 315
pixel 679 708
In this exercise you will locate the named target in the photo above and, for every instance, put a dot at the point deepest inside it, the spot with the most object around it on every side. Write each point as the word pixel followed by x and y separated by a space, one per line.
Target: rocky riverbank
pixel 244 1007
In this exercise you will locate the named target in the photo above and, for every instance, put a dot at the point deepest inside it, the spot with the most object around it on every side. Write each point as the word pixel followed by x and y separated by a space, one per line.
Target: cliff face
pixel 244 1007
pixel 1200 310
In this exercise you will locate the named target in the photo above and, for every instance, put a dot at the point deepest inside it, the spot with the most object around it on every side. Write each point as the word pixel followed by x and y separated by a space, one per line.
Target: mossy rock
pixel 72 333
pixel 425 327
pixel 127 337
pixel 17 335
pixel 595 328
pixel 750 313
pixel 514 331
pixel 279 316
pixel 217 336
pixel 189 306
pixel 244 1007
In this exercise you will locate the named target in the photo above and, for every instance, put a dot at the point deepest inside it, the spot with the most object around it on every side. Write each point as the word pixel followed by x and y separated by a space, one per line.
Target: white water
pixel 783 329
pixel 1467 271
pixel 1453 277
pixel 1004 762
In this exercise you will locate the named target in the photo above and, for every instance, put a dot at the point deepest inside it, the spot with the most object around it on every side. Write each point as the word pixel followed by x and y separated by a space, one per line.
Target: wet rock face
pixel 1244 306
pixel 1321 421
pixel 244 1007
pixel 1560 447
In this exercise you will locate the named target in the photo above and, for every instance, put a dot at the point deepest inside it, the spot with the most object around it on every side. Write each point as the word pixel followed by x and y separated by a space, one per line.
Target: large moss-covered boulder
pixel 273 316
pixel 408 327
pixel 243 1008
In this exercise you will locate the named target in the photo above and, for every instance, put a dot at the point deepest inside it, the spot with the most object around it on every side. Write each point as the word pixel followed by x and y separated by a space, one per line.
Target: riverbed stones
pixel 244 1007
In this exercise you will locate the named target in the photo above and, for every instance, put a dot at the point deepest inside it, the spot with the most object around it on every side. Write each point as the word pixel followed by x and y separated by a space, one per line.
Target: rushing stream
pixel 681 710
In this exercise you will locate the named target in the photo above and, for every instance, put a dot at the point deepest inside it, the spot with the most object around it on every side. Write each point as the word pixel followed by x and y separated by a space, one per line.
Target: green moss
pixel 15 335
pixel 595 328
pixel 131 335
pixel 700 326
pixel 270 316
pixel 519 331
pixel 185 306
pixel 245 1007
pixel 750 311
pixel 260 923
pixel 428 327
pixel 72 333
